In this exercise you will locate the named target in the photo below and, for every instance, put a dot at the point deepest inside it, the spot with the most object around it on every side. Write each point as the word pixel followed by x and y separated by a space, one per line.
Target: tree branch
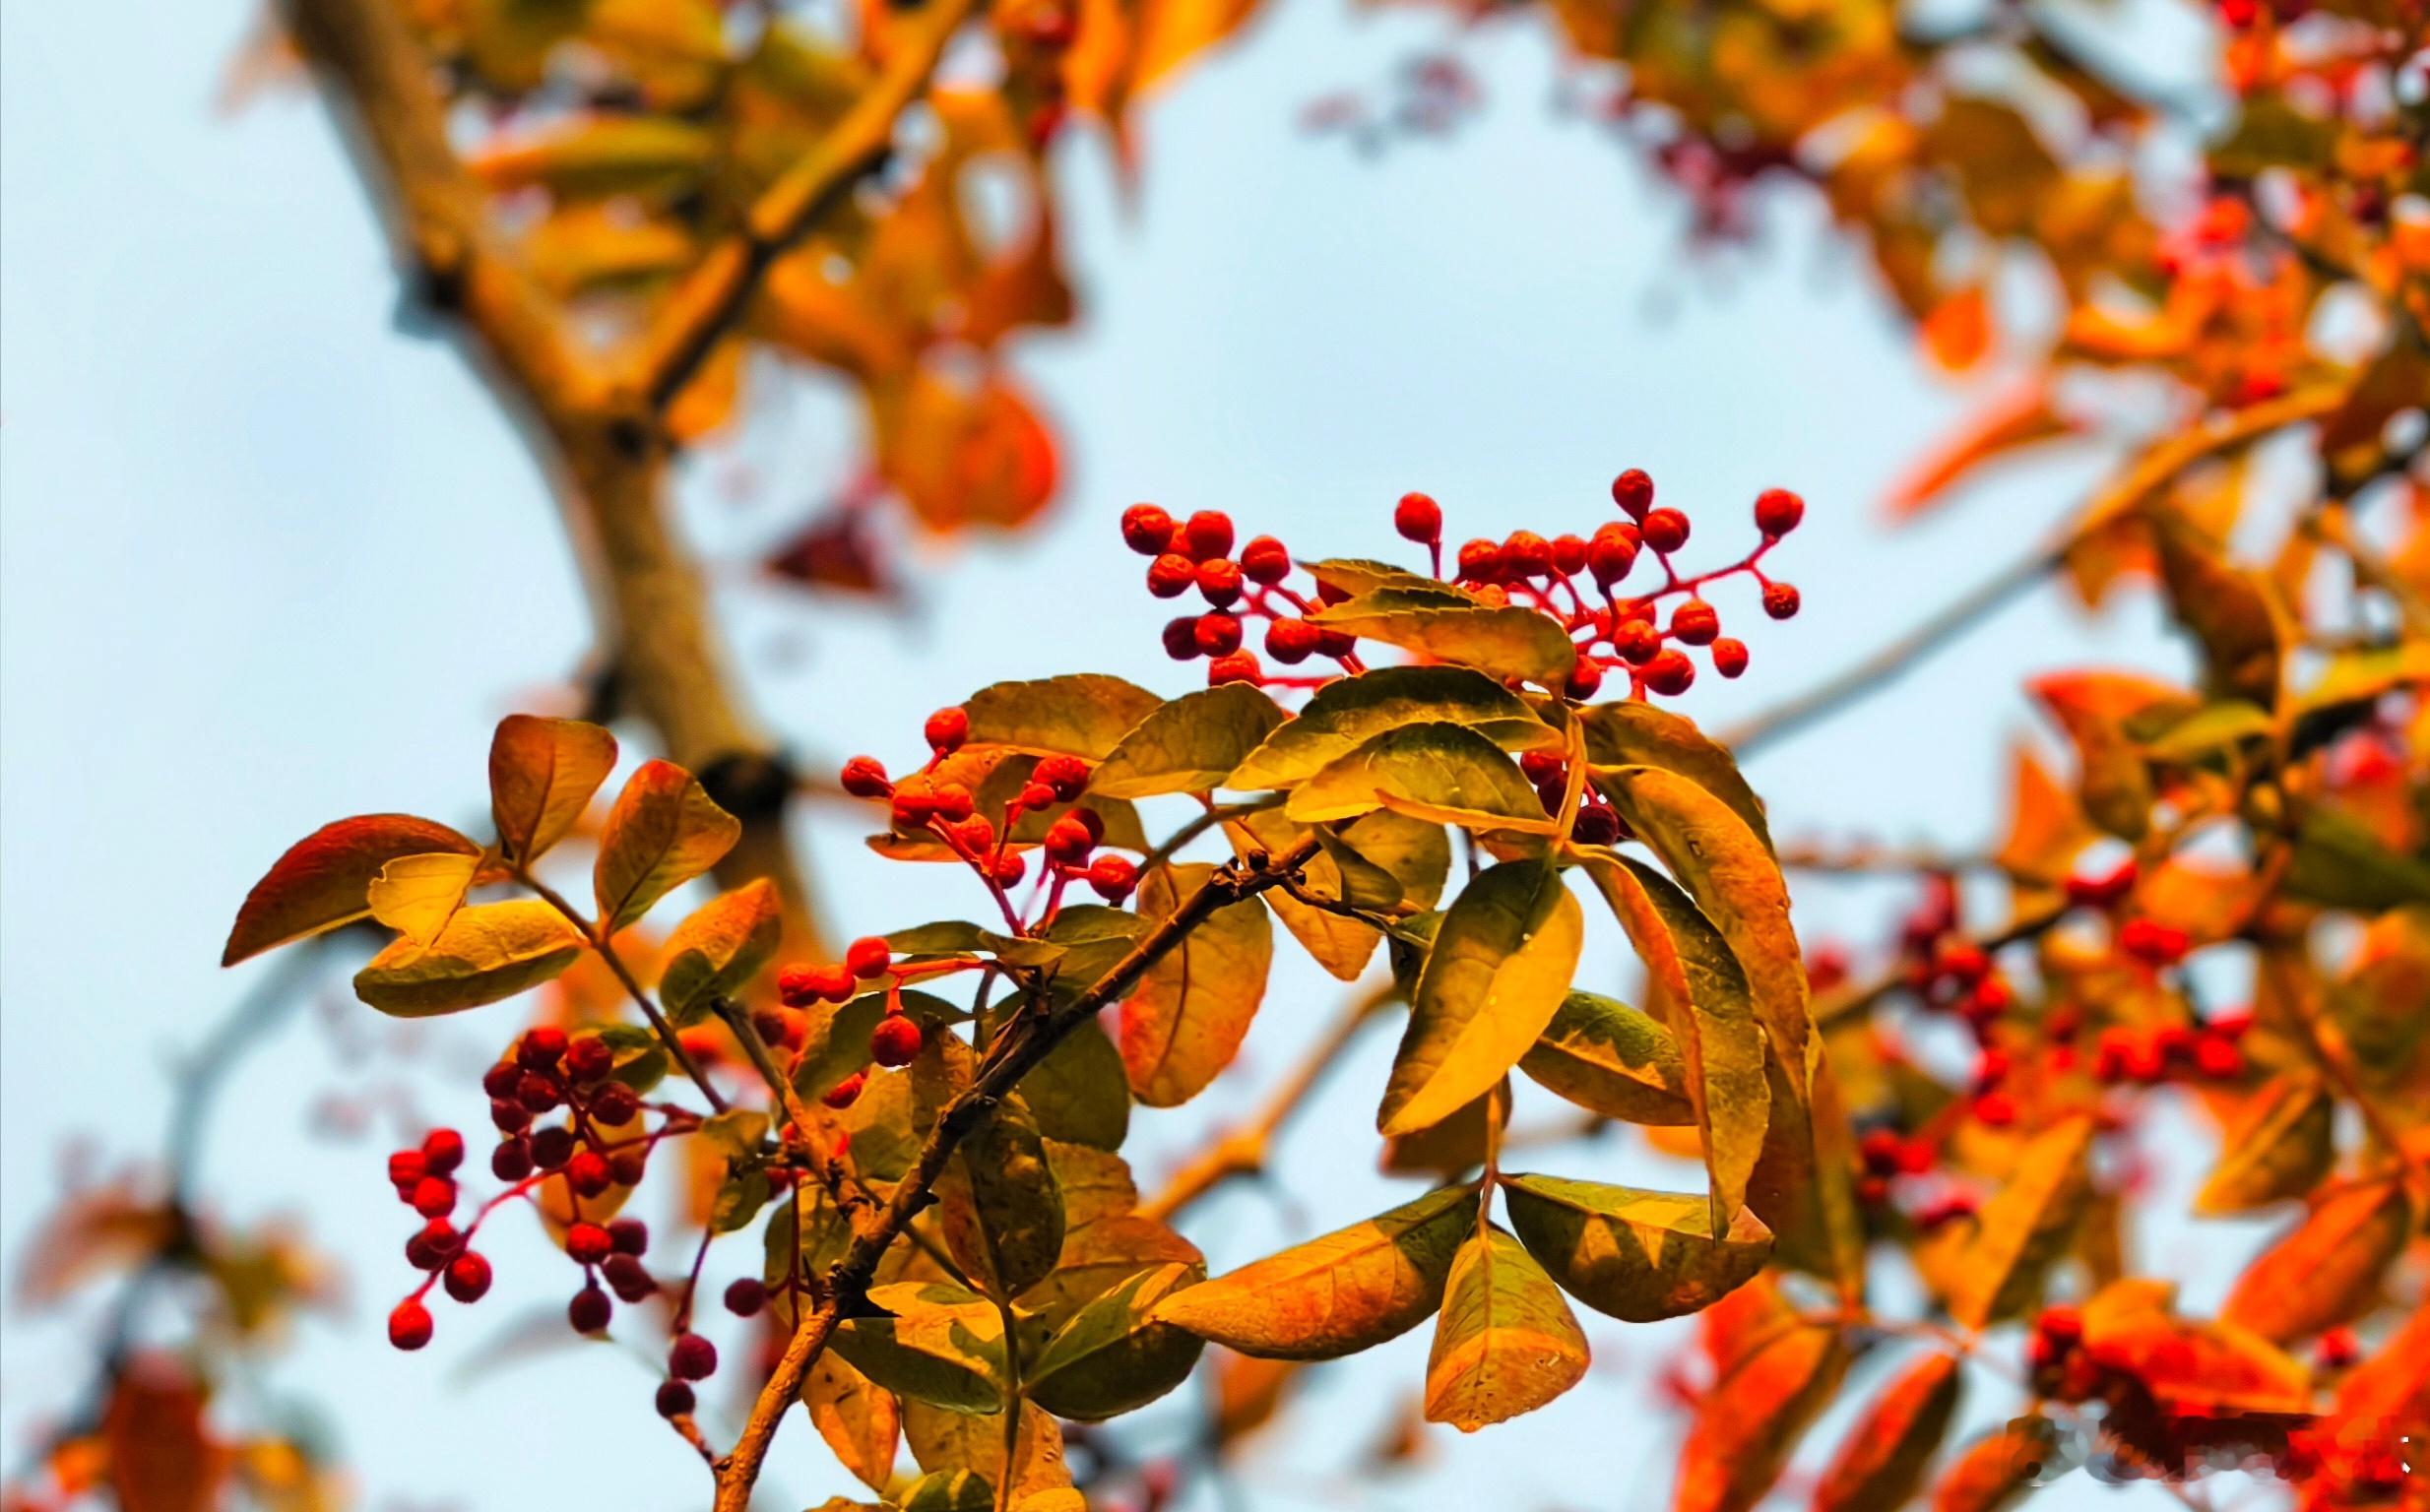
pixel 1024 1042
pixel 713 296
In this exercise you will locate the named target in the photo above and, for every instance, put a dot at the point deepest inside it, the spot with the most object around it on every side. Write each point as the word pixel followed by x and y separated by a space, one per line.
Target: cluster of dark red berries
pixel 1597 822
pixel 547 1071
pixel 1575 579
pixel 893 1043
pixel 2147 1055
pixel 928 802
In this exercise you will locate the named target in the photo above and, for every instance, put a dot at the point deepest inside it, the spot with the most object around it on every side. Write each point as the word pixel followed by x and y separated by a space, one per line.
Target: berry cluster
pixel 596 1147
pixel 1576 581
pixel 896 1041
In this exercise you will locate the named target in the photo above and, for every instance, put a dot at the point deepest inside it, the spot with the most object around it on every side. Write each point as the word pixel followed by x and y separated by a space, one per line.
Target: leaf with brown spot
pixel 1505 1342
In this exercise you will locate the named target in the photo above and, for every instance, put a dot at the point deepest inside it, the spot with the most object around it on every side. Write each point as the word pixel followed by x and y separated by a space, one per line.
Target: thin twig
pixel 598 937
pixel 1199 824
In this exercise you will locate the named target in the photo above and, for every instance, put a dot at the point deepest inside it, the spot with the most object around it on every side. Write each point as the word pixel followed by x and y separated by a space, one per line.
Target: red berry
pixel 2218 1058
pixel 1264 560
pixel 1238 666
pixel 1209 534
pixel 895 1042
pixel 1219 582
pixel 1637 642
pixel 509 1116
pixel 468 1277
pixel 1113 877
pixel 540 1048
pixel 2337 1350
pixel 691 1358
pixel 511 1161
pixel 614 1104
pixel 631 1235
pixel 1218 635
pixel 1995 1109
pixel 955 803
pixel 675 1400
pixel 442 1151
pixel 1696 623
pixel 1146 529
pixel 2105 891
pixel 1613 551
pixel 864 776
pixel 434 1196
pixel 406 1169
pixel 868 956
pixel 588 1174
pixel 1417 517
pixel 1585 678
pixel 797 986
pixel 746 1297
pixel 1007 869
pixel 1068 841
pixel 551 1147
pixel 1172 575
pixel 1780 600
pixel 1596 826
pixel 946 729
pixel 1670 673
pixel 1729 657
pixel 1664 529
pixel 2152 942
pixel 845 1092
pixel 626 1167
pixel 409 1326
pixel 1480 561
pixel 1633 492
pixel 1777 511
pixel 629 1278
pixel 912 808
pixel 590 1058
pixel 1568 555
pixel 432 1245
pixel 588 1243
pixel 537 1093
pixel 1066 775
pixel 589 1311
pixel 500 1082
pixel 1337 644
pixel 1526 554
pixel 1291 641
pixel 1181 638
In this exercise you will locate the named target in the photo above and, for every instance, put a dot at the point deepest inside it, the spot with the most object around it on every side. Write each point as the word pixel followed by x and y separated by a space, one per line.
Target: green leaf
pixel 663 830
pixel 1444 773
pixel 2212 728
pixel 1451 626
pixel 1637 734
pixel 1609 1058
pixel 940 1344
pixel 1346 714
pixel 2024 1227
pixel 1498 968
pixel 1113 1357
pixel 324 880
pixel 1010 1230
pixel 1192 1009
pixel 1701 991
pixel 1086 714
pixel 1505 1341
pixel 1346 1291
pixel 1078 1093
pixel 1188 746
pixel 2338 862
pixel 487 952
pixel 1634 1254
pixel 542 776
pixel 719 949
pixel 2280 1146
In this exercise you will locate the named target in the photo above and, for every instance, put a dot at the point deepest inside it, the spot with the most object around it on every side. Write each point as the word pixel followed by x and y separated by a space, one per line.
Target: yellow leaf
pixel 1498 969
pixel 541 775
pixel 1609 1058
pixel 1448 774
pixel 1505 1342
pixel 1084 714
pixel 1338 1294
pixel 2278 1146
pixel 1345 715
pixel 716 951
pixel 1188 746
pixel 1446 625
pixel 663 830
pixel 1637 734
pixel 857 1417
pixel 487 952
pixel 417 895
pixel 2025 1227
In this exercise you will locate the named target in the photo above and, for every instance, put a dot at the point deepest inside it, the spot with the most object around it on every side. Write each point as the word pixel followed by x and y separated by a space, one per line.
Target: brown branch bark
pixel 1014 1052
pixel 594 431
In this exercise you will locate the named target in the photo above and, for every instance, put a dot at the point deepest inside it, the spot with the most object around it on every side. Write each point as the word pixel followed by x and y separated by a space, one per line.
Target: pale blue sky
pixel 266 561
